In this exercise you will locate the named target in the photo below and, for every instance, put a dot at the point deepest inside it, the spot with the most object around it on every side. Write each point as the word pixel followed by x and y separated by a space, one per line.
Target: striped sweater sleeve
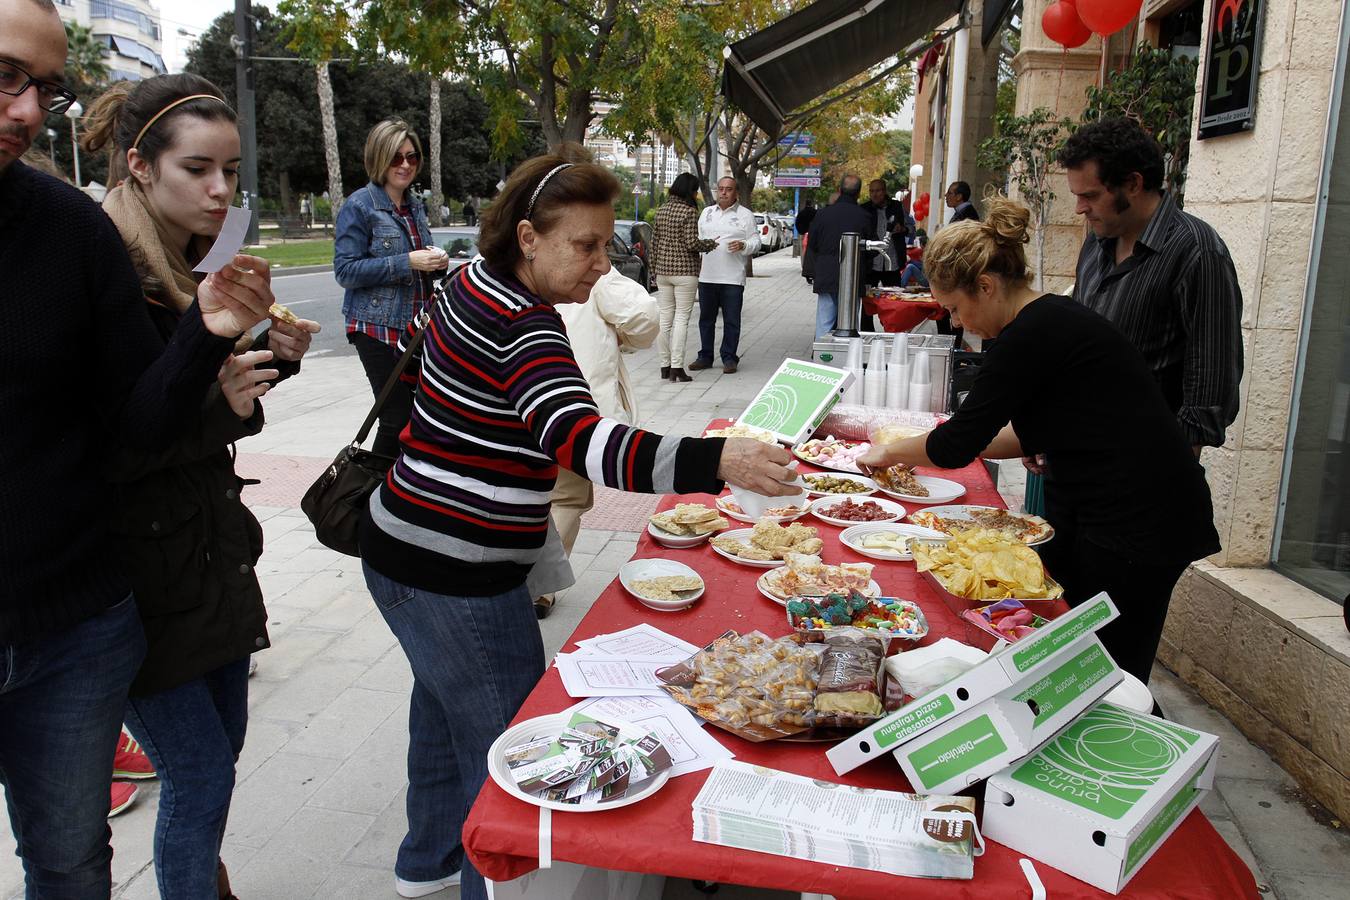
pixel 554 401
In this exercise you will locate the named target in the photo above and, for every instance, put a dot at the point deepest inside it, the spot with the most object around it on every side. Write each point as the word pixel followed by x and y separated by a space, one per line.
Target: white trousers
pixel 675 296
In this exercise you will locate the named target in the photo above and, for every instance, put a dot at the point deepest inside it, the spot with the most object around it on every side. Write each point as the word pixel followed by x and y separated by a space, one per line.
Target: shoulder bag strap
pixel 422 319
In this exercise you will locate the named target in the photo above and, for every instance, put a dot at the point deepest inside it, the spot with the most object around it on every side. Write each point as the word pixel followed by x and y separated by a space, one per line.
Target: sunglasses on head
pixel 412 158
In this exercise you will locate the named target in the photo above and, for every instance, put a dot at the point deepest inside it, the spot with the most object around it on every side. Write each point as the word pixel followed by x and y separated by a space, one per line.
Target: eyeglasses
pixel 413 159
pixel 52 97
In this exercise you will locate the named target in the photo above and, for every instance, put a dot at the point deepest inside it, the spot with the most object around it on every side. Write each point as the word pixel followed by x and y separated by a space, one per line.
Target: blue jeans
pixel 728 298
pixel 61 702
pixel 474 661
pixel 193 734
pixel 827 309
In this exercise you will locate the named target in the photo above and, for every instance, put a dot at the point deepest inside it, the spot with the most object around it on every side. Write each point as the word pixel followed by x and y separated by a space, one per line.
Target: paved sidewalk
pixel 318 810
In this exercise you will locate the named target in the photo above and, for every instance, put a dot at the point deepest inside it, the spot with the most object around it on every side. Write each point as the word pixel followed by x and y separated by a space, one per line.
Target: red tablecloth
pixel 897 314
pixel 654 836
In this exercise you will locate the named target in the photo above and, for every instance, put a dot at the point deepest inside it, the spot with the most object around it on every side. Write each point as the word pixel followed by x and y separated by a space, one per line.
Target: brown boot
pixel 223 883
pixel 543 606
pixel 679 375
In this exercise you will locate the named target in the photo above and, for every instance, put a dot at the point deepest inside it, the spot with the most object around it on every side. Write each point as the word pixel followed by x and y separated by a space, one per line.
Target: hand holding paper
pixel 237 297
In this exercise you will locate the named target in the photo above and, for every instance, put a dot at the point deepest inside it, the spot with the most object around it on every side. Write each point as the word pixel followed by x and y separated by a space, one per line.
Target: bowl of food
pixel 823 484
pixel 885 540
pixel 846 511
pixel 893 617
pixel 661 584
pixel 790 509
pixel 684 526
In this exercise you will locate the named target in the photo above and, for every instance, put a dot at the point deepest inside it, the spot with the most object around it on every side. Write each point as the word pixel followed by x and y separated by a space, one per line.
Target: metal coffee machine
pixel 833 350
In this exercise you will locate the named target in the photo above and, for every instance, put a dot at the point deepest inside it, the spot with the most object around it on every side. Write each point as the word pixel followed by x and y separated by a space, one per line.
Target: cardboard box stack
pixel 1010 714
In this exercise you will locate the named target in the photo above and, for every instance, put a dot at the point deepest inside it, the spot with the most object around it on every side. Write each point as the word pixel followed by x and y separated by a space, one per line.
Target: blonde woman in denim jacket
pixel 385 258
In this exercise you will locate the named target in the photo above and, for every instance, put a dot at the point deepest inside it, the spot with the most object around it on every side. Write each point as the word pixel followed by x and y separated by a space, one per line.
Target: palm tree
pixel 85 63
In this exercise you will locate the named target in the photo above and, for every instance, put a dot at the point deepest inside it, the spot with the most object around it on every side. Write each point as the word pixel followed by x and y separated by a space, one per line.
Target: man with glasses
pixel 83 373
pixel 721 278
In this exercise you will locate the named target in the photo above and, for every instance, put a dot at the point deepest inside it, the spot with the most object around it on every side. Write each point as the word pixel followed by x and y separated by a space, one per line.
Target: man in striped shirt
pixel 1162 276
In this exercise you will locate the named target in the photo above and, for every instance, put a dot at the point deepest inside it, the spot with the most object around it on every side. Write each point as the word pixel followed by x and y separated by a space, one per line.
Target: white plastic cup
pixel 920 384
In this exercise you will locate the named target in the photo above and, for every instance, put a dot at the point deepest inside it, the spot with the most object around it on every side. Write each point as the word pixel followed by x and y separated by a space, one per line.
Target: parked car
pixel 638 236
pixel 767 233
pixel 623 257
pixel 460 241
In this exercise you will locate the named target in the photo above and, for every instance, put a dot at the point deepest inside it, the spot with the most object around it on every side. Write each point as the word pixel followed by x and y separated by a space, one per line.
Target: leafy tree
pixel 290 132
pixel 86 63
pixel 318 32
pixel 1026 146
pixel 1158 92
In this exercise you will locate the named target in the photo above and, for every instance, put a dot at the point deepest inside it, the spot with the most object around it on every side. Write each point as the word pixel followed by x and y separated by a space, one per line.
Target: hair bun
pixel 1008 222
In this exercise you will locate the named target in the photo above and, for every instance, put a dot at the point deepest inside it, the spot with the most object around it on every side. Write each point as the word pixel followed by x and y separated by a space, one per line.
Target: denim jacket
pixel 370 257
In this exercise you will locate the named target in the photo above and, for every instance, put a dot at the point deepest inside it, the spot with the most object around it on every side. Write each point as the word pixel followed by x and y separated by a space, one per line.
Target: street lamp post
pixel 74 113
pixel 51 144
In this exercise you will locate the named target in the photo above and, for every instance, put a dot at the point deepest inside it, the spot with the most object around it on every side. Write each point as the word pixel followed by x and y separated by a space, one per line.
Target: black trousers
pixel 379 359
pixel 1141 588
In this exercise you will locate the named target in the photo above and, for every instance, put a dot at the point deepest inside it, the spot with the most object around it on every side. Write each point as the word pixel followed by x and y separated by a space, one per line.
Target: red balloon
pixel 1107 16
pixel 1061 24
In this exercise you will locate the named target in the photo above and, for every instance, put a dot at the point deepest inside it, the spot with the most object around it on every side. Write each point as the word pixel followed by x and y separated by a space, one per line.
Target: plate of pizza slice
pixel 1028 529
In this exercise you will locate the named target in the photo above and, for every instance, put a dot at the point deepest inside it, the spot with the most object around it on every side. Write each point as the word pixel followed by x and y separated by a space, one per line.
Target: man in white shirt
pixel 721 279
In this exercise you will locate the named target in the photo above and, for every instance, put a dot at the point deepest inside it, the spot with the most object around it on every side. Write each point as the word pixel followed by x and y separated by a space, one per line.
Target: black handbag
pixel 334 502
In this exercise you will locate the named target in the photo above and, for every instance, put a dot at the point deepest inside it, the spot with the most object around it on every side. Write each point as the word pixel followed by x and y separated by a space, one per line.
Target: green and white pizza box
pixel 976 744
pixel 1100 798
pixel 796 399
pixel 1008 671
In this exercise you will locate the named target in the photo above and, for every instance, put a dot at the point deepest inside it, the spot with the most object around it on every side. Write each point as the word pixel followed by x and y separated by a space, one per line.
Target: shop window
pixel 1313 541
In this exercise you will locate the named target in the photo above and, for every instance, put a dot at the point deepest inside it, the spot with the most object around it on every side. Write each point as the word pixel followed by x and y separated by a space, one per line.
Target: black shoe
pixel 679 375
pixel 699 364
pixel 665 372
pixel 543 606
pixel 729 369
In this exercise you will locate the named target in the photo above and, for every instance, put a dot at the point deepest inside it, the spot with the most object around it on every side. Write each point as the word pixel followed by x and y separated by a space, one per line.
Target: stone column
pixel 1050 76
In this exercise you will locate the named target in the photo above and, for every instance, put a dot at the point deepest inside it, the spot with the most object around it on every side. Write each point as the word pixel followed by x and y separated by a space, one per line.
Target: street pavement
pixel 319 804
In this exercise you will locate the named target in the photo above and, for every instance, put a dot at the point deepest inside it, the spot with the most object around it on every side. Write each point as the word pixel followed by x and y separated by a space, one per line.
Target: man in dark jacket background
pixel 958 200
pixel 82 370
pixel 831 223
pixel 891 223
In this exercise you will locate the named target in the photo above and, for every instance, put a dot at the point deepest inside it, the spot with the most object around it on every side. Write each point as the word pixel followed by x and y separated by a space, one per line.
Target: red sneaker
pixel 123 795
pixel 131 761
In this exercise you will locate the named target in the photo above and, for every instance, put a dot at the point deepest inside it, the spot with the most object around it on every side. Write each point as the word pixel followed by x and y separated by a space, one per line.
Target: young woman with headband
pixel 451 536
pixel 1124 492
pixel 181 529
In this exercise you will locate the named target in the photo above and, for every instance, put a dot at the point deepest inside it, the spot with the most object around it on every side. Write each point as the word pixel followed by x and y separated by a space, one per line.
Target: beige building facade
pixel 1258 629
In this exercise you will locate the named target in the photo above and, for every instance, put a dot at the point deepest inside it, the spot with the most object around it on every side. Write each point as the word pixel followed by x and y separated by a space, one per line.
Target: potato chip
pixel 986 565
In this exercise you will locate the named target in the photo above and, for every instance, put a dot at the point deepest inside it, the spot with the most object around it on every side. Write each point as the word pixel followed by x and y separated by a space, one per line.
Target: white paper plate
pixel 742 517
pixel 963 512
pixel 743 535
pixel 852 538
pixel 642 569
pixel 873 589
pixel 860 479
pixel 543 726
pixel 676 541
pixel 893 509
pixel 940 490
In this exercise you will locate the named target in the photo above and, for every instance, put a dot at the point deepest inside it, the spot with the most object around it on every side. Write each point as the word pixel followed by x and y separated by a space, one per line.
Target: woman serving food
pixel 1124 492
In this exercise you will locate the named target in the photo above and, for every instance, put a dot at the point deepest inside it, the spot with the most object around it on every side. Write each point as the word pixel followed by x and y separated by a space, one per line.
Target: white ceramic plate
pixel 642 569
pixel 873 589
pixel 743 535
pixel 940 490
pixel 890 507
pixel 852 538
pixel 742 517
pixel 676 541
pixel 869 484
pixel 547 726
pixel 963 512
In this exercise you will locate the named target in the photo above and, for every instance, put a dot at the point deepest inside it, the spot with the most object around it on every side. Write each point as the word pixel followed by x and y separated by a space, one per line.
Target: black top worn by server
pixel 1117 461
pixel 82 370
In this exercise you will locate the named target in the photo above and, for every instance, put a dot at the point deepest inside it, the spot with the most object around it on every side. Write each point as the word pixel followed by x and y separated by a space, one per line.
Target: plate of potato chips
pixel 985 565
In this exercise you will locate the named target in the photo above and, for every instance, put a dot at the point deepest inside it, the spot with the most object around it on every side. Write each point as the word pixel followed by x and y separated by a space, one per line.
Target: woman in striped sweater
pixel 450 537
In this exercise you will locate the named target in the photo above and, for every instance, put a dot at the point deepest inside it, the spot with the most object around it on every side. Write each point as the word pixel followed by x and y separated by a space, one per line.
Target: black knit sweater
pixel 82 369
